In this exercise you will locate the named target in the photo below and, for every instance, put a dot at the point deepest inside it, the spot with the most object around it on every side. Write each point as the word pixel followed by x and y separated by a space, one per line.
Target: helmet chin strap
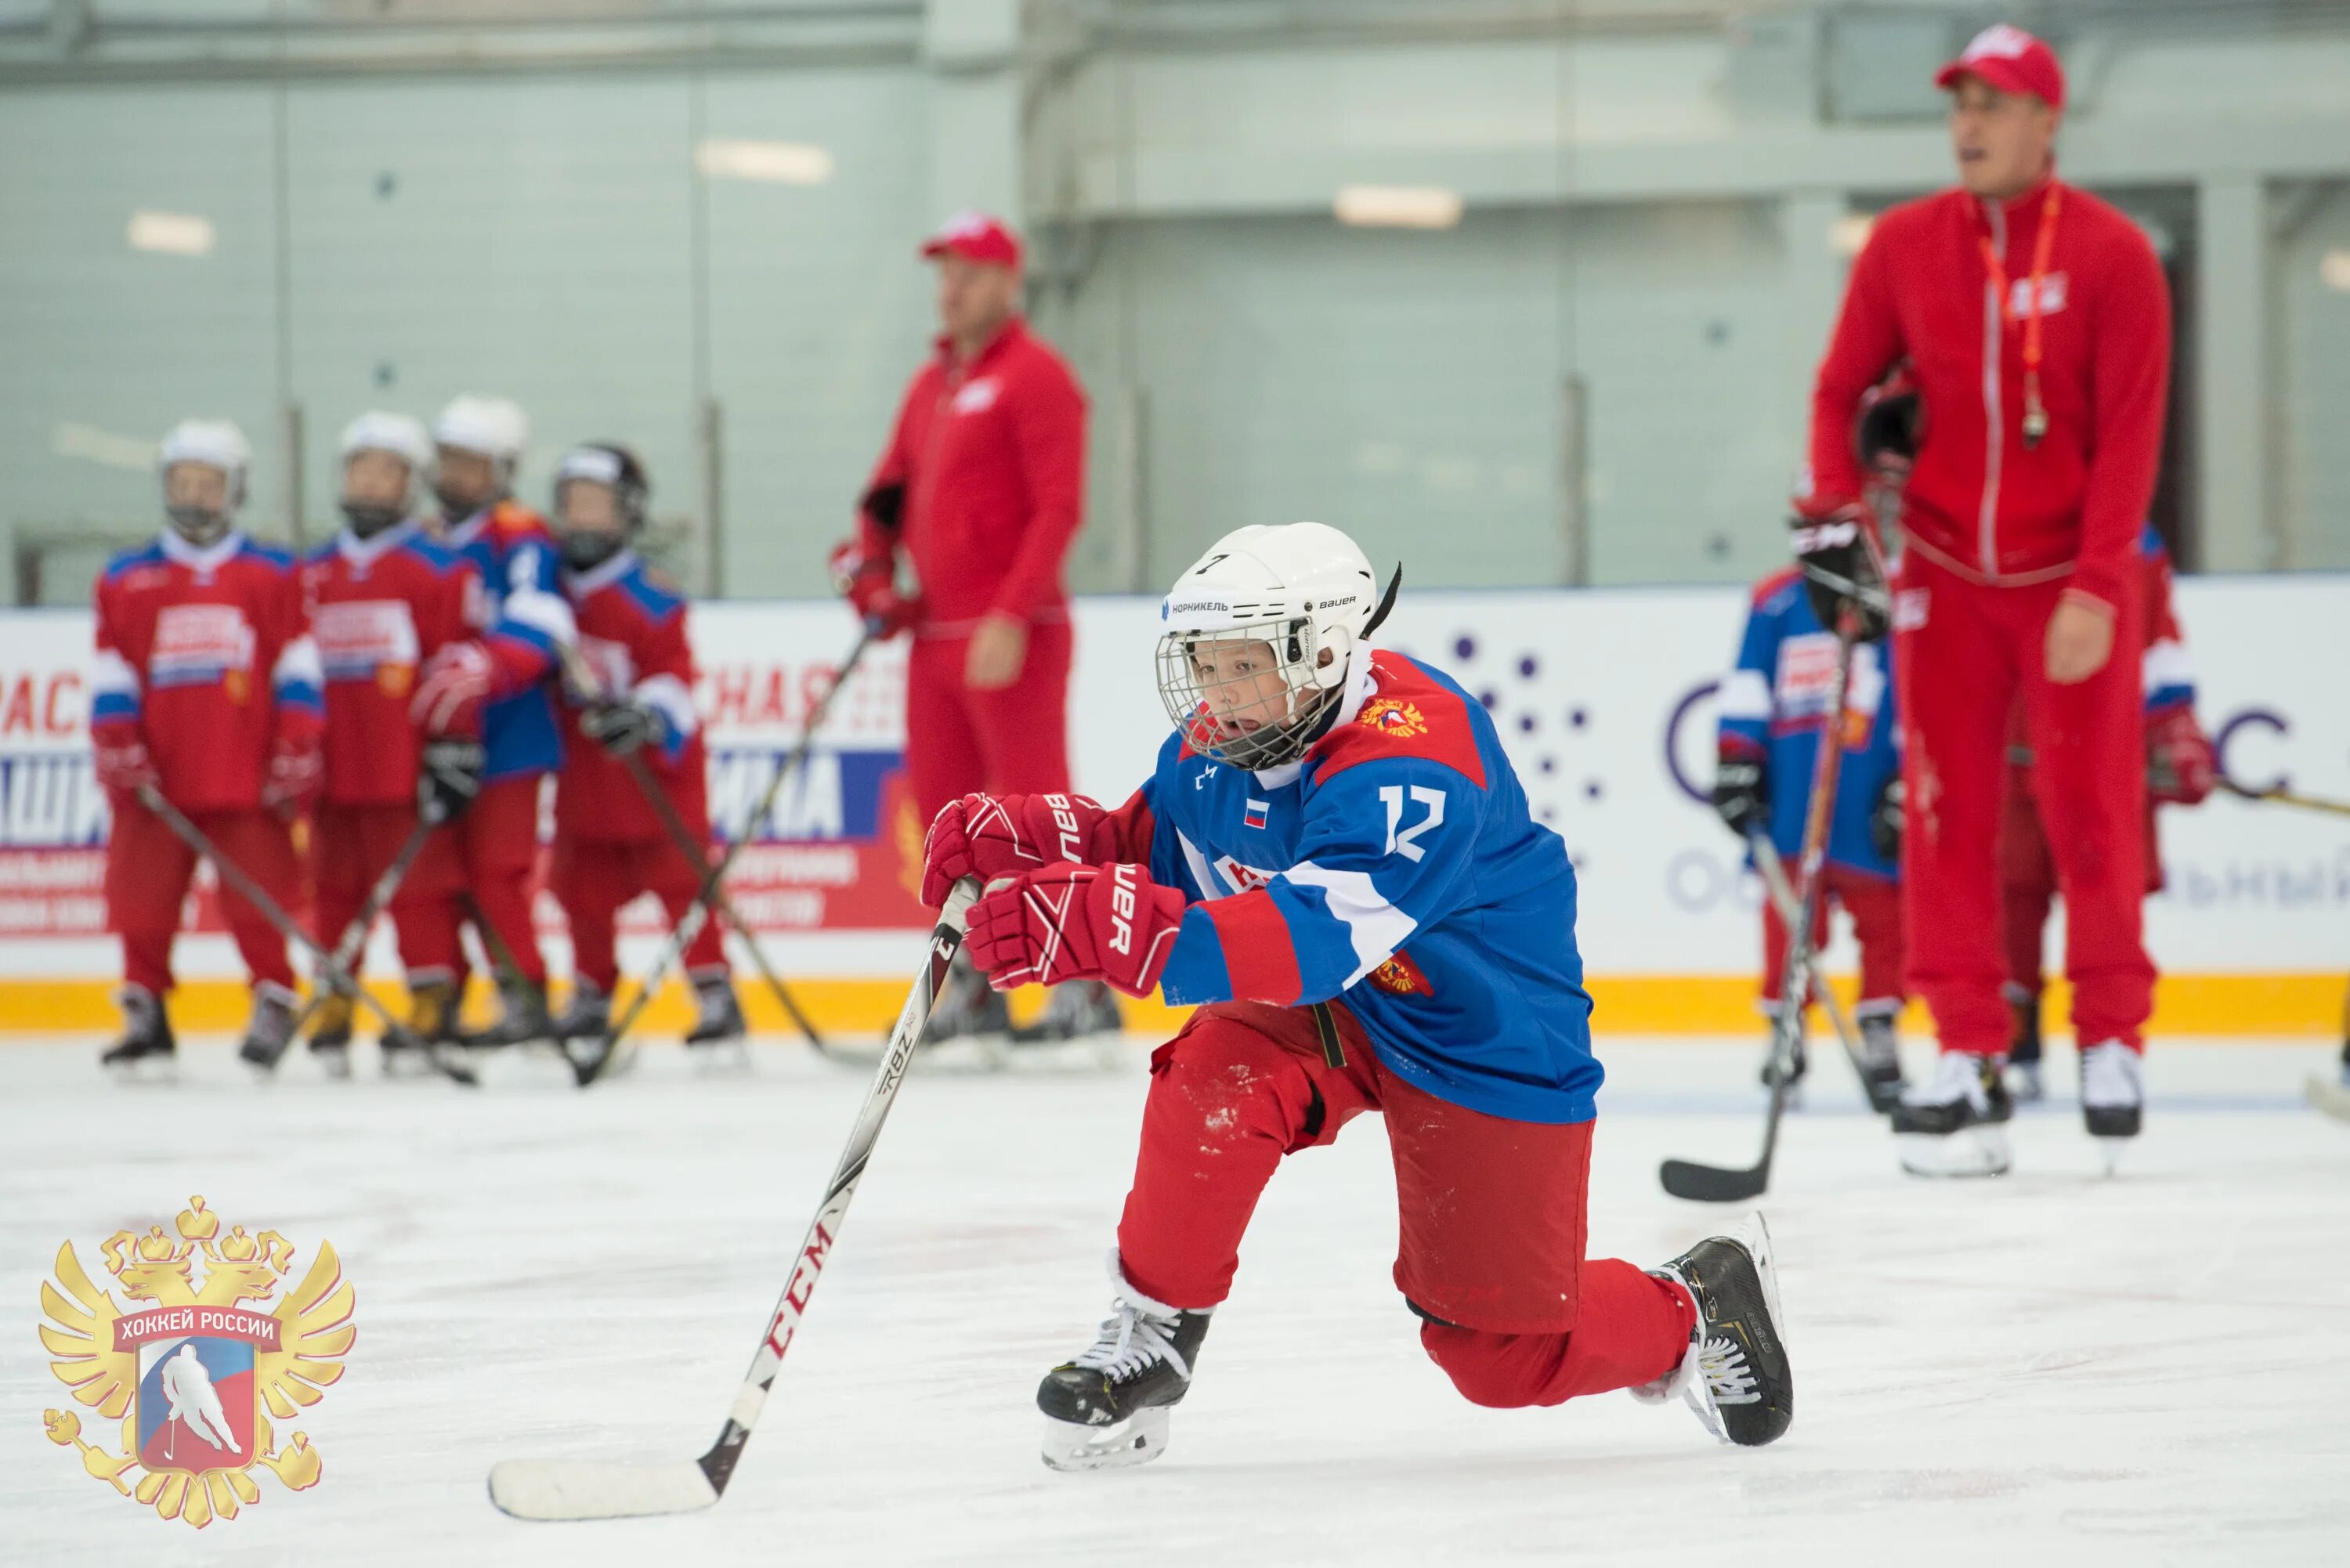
pixel 1387 603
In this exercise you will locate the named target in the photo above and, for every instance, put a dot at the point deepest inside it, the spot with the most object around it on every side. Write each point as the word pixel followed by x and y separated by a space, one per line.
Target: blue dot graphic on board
pixel 1527 667
pixel 1577 718
pixel 1525 723
pixel 1465 648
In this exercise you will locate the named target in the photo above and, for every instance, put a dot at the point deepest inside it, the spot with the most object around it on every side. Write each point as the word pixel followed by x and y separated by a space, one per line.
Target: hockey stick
pixel 2286 797
pixel 682 836
pixel 563 1489
pixel 1784 900
pixel 689 926
pixel 1721 1184
pixel 336 974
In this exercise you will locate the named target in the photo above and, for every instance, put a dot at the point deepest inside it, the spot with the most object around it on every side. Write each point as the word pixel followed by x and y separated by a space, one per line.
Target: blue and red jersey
pixel 205 653
pixel 1774 705
pixel 514 550
pixel 379 608
pixel 633 638
pixel 1397 866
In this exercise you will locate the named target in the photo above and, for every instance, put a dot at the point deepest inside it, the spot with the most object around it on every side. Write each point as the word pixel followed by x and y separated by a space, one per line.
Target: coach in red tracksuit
pixel 2037 322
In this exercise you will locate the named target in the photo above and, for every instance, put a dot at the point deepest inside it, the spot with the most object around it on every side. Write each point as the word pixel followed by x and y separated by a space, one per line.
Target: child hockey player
pixel 610 841
pixel 1334 857
pixel 206 688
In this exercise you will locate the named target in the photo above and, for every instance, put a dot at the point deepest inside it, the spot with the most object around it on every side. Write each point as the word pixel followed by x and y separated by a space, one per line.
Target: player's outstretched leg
pixel 1955 1124
pixel 1736 1376
pixel 2112 1096
pixel 147 1045
pixel 1108 1406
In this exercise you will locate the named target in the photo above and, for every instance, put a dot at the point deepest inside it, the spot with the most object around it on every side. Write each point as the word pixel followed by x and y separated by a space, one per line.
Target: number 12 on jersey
pixel 1404 841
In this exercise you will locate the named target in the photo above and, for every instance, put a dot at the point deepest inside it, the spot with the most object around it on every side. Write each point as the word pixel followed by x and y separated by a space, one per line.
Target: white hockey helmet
pixel 402 437
pixel 1306 591
pixel 209 443
pixel 496 428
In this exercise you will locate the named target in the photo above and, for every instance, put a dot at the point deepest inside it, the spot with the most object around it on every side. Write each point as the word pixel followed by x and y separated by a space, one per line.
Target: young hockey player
pixel 610 841
pixel 1773 715
pixel 1334 859
pixel 497 687
pixel 2181 770
pixel 206 687
pixel 384 599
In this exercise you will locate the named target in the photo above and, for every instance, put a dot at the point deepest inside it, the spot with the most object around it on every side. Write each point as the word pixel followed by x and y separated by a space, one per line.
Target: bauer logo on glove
pixel 1068 922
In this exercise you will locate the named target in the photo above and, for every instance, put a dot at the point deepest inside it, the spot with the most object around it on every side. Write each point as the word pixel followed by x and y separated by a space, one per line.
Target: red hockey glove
pixel 452 688
pixel 989 837
pixel 869 585
pixel 297 771
pixel 1076 922
pixel 2180 765
pixel 123 764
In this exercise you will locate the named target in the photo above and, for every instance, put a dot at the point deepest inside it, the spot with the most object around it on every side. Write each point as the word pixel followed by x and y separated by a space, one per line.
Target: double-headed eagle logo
pixel 187 1366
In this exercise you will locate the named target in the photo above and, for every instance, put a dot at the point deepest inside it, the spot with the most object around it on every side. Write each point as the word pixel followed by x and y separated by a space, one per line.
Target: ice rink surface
pixel 2052 1368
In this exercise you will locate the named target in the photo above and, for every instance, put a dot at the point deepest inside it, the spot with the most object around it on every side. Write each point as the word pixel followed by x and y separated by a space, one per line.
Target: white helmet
pixel 210 443
pixel 1306 591
pixel 403 438
pixel 493 427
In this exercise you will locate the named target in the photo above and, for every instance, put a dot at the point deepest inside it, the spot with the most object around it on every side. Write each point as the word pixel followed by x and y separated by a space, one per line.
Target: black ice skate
pixel 586 1015
pixel 967 1004
pixel 271 1028
pixel 331 1034
pixel 432 1021
pixel 1072 1012
pixel 1956 1125
pixel 2024 1048
pixel 2112 1096
pixel 1880 1057
pixel 1769 1074
pixel 146 1048
pixel 717 1015
pixel 523 1019
pixel 1107 1407
pixel 1735 1376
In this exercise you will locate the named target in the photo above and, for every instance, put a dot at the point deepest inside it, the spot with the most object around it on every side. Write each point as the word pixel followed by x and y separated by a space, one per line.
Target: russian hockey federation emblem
pixel 194 1369
pixel 1391 716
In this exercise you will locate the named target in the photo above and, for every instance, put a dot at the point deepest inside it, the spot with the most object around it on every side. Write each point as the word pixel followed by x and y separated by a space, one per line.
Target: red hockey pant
pixel 1966 653
pixel 488 852
pixel 1013 742
pixel 1874 903
pixel 351 845
pixel 593 879
pixel 147 874
pixel 1490 1210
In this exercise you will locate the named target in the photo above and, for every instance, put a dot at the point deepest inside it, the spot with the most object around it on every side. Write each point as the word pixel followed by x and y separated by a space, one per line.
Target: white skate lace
pixel 1957 1076
pixel 1129 1343
pixel 1723 1364
pixel 2111 1075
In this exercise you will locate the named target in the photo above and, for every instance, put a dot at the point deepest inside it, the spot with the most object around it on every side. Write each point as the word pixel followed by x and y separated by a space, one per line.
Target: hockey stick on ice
pixel 609 1048
pixel 1783 898
pixel 334 974
pixel 1722 1184
pixel 563 1489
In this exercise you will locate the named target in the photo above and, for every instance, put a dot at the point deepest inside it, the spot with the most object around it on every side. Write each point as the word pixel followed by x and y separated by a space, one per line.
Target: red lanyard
pixel 2035 416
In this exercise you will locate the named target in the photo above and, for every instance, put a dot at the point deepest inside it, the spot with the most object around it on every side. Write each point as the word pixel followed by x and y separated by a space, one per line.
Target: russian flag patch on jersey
pixel 1255 813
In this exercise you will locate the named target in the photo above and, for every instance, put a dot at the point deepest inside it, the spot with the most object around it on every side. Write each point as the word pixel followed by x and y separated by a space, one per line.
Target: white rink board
pixel 1599 694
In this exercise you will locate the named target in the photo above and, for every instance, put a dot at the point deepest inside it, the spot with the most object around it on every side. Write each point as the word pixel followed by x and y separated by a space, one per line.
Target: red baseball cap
pixel 2012 60
pixel 974 236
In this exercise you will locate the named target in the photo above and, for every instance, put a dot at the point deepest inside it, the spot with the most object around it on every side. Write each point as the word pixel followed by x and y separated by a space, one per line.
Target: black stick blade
pixel 1711 1183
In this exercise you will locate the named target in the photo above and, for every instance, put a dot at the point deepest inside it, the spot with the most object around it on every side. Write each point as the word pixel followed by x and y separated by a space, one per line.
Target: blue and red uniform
pixel 530 624
pixel 204 656
pixel 1773 708
pixel 379 607
pixel 1393 880
pixel 610 844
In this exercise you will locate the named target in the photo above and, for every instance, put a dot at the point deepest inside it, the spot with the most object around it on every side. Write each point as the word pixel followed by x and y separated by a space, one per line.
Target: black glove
pixel 1885 820
pixel 451 779
pixel 620 727
pixel 1738 793
pixel 1839 568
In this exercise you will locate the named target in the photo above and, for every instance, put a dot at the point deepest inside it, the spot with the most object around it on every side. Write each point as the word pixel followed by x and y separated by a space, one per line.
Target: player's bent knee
pixel 1498 1371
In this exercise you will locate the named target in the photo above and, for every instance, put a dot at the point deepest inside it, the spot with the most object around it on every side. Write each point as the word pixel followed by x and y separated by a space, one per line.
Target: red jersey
pixel 632 636
pixel 1981 500
pixel 379 607
pixel 989 458
pixel 205 655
